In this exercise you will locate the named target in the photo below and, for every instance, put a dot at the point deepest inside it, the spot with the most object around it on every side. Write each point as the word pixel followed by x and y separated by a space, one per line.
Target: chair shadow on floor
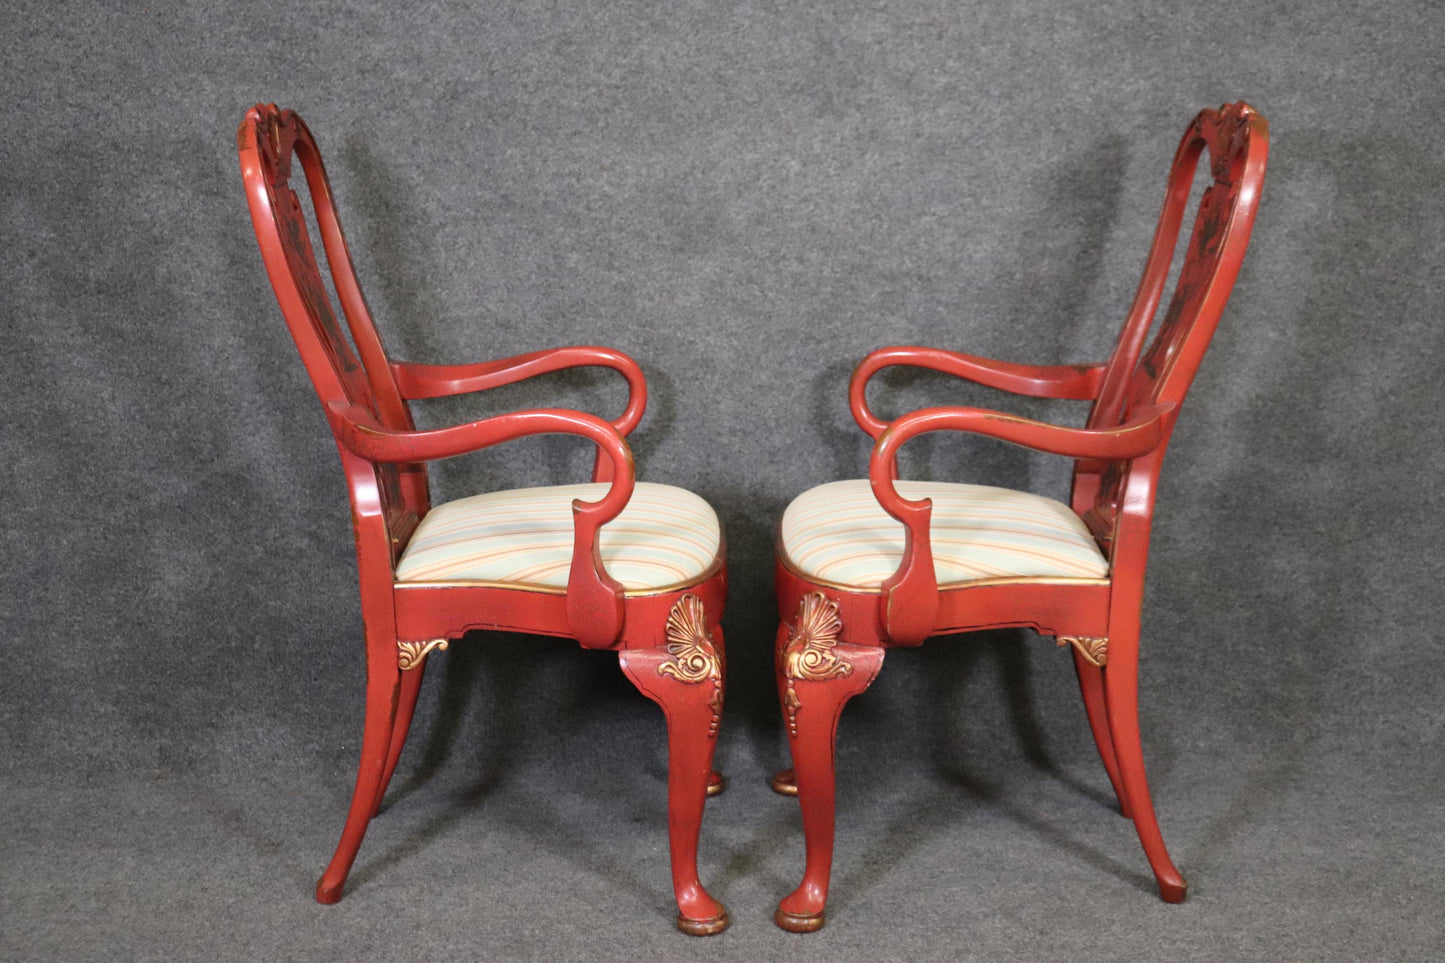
pixel 478 714
pixel 939 678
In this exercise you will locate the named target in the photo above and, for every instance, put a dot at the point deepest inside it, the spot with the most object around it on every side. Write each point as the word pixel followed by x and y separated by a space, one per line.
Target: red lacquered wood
pixel 1096 708
pixel 909 599
pixel 594 598
pixel 411 681
pixel 383 456
pixel 418 381
pixel 692 712
pixel 812 708
pixel 784 782
pixel 1066 606
pixel 1118 455
pixel 383 682
pixel 1121 687
pixel 434 610
pixel 1077 382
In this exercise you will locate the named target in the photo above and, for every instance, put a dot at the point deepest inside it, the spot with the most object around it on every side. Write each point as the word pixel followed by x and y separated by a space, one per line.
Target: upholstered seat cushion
pixel 664 537
pixel 839 533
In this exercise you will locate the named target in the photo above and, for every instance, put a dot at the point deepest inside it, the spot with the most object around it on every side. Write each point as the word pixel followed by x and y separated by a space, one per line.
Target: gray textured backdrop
pixel 747 198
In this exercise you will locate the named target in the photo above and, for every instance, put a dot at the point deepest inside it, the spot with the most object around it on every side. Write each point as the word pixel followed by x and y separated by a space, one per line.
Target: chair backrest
pixel 1116 500
pixel 387 500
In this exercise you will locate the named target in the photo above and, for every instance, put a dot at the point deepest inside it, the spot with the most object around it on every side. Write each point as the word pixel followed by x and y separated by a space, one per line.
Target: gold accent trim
pixel 694 654
pixel 1094 649
pixel 410 655
pixel 809 653
pixel 479 583
pixel 689 643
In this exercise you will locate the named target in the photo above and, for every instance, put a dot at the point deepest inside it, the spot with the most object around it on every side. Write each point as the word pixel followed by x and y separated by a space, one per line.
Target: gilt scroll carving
pixel 694 654
pixel 410 655
pixel 811 650
pixel 1094 649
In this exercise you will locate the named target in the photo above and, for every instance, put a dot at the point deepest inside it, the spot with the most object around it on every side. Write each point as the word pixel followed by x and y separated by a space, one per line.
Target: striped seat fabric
pixel 839 533
pixel 664 537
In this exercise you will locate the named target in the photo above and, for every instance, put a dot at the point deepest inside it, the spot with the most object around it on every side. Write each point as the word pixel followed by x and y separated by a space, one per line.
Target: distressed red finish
pixel 383 455
pixel 1136 397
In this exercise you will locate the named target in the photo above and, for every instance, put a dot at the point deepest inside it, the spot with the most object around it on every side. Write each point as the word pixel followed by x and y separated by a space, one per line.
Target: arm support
pixel 910 596
pixel 1077 382
pixel 418 381
pixel 594 598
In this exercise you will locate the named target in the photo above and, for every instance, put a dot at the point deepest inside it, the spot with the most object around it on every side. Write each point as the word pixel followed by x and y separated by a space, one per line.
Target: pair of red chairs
pixel 862 565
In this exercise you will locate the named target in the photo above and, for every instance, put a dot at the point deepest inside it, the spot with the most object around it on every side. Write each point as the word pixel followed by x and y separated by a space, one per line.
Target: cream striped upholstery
pixel 839 533
pixel 665 536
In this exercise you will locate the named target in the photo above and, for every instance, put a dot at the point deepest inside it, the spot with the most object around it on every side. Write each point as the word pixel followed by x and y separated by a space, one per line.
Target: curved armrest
pixel 418 381
pixel 1076 382
pixel 910 596
pixel 594 598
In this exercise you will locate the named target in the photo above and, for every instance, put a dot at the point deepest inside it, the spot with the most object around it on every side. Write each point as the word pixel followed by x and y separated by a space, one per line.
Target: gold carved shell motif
pixel 694 655
pixel 811 650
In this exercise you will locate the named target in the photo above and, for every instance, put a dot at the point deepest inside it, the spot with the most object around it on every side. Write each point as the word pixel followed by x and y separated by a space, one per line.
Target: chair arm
pixel 910 596
pixel 418 381
pixel 594 598
pixel 1077 382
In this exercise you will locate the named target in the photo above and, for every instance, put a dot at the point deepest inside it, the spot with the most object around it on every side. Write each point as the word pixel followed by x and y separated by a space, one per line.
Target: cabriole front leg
pixel 817 675
pixel 685 678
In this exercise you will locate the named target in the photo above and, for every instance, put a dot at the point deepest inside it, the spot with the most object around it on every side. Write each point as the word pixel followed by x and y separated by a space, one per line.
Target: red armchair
pixel 616 564
pixel 866 565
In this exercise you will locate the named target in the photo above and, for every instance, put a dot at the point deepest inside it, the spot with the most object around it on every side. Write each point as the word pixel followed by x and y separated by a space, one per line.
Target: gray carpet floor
pixel 972 828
